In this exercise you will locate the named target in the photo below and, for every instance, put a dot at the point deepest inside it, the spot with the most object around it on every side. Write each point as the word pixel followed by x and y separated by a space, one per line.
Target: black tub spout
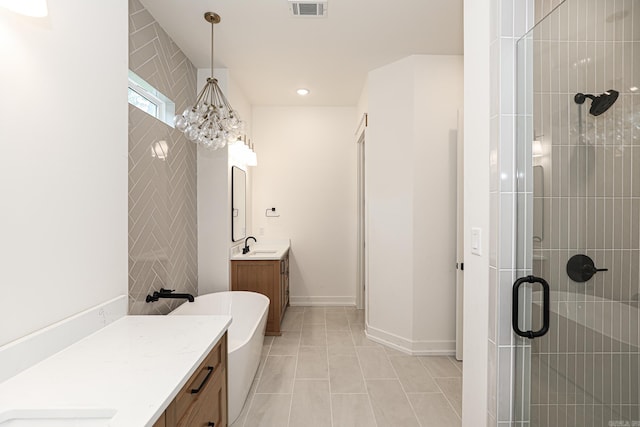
pixel 168 293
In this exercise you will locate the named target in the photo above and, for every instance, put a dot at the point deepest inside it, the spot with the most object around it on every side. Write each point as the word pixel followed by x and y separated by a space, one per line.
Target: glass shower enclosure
pixel 578 218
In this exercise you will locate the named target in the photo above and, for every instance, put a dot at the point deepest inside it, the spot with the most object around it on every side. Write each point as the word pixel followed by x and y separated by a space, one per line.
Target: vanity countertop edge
pixel 135 366
pixel 262 251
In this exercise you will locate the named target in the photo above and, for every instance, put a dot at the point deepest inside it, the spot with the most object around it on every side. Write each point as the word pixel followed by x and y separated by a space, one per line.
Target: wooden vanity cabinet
pixel 202 402
pixel 267 277
pixel 284 277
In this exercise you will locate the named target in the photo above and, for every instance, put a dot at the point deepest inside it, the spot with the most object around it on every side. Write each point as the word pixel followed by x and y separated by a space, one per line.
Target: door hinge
pixel 460 266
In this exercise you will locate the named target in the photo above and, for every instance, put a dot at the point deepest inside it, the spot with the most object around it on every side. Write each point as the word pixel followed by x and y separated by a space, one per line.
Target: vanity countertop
pixel 267 250
pixel 125 374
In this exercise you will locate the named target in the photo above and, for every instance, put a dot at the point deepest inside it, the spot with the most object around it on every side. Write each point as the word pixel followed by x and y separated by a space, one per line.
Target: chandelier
pixel 211 122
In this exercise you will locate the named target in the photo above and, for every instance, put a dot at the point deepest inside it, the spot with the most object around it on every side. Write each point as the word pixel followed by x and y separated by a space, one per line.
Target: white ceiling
pixel 270 54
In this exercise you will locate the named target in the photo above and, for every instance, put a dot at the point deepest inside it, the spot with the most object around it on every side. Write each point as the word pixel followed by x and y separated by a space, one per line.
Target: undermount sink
pixel 59 417
pixel 262 252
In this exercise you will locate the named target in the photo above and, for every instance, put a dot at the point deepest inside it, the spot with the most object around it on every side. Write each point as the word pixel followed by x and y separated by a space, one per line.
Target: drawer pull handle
pixel 211 424
pixel 206 378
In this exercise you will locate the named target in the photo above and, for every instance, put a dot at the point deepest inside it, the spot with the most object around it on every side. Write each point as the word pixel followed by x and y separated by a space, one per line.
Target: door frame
pixel 460 239
pixel 361 261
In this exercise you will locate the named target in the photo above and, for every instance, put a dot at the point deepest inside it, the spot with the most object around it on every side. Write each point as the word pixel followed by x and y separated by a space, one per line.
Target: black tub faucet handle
pixel 581 268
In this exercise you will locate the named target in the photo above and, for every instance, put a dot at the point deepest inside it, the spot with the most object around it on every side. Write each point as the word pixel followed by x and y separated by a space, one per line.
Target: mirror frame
pixel 237 211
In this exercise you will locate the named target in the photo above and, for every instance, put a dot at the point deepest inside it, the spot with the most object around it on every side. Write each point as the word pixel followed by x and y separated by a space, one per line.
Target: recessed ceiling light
pixel 633 88
pixel 302 92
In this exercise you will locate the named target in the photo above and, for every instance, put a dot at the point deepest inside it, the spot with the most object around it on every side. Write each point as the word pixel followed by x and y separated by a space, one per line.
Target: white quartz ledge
pixel 18 355
pixel 264 249
pixel 123 375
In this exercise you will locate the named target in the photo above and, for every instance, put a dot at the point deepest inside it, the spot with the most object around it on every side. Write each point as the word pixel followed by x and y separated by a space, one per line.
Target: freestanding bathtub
pixel 244 337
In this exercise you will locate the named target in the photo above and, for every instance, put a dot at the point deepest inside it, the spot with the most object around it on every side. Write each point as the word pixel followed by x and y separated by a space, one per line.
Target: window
pixel 148 99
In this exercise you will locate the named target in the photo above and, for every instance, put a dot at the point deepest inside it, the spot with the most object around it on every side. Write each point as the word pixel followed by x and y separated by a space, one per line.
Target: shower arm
pixel 581 97
pixel 599 103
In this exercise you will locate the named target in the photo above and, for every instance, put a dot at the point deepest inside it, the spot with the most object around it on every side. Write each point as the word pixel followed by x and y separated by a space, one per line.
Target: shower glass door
pixel 578 220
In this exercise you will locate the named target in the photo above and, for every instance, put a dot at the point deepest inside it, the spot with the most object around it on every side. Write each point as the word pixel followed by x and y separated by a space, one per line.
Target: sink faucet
pixel 245 250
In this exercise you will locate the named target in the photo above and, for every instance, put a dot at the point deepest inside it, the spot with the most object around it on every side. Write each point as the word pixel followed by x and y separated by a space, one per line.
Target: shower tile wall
pixel 162 189
pixel 589 199
pixel 510 21
pixel 544 7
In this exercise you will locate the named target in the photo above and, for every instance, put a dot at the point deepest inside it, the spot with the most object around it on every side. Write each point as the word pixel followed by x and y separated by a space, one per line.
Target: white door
pixel 460 240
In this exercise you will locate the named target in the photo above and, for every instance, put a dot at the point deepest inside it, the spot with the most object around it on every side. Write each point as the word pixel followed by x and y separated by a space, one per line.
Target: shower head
pixel 599 103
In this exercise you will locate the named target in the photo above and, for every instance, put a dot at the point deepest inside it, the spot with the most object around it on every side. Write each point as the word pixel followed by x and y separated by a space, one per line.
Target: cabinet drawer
pixel 211 408
pixel 201 382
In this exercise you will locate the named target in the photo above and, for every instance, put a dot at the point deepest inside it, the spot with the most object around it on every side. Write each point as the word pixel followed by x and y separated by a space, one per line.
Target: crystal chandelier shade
pixel 211 122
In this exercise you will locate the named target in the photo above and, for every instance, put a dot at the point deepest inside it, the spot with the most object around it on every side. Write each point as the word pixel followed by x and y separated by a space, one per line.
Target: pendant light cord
pixel 212 24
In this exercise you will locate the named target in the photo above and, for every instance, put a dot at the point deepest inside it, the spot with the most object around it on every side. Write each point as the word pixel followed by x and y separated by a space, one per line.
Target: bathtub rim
pixel 232 344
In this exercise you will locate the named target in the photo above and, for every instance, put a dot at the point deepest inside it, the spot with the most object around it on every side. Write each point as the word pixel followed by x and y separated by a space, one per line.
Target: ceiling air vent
pixel 317 9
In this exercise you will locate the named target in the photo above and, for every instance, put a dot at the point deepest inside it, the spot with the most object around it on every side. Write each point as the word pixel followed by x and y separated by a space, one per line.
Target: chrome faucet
pixel 245 250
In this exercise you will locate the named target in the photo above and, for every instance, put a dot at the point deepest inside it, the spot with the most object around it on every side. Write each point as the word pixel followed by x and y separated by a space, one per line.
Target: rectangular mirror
pixel 238 204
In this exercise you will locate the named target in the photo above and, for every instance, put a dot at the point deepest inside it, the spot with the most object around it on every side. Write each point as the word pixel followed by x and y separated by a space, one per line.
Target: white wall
pixel 476 202
pixel 438 98
pixel 63 169
pixel 363 103
pixel 307 171
pixel 411 200
pixel 389 190
pixel 214 196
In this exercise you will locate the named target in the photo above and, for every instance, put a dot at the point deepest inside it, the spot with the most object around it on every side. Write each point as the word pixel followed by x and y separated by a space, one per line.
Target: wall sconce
pixel 242 152
pixel 34 8
pixel 160 150
pixel 252 157
pixel 536 147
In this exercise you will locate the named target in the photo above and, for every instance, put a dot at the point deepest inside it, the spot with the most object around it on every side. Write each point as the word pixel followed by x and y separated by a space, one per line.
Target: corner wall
pixel 63 169
pixel 410 169
pixel 477 23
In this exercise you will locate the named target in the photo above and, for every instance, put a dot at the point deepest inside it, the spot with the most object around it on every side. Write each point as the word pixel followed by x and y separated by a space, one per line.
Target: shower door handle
pixel 546 304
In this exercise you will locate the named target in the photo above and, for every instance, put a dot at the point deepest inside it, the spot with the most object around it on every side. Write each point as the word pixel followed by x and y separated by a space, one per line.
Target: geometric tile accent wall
pixel 163 238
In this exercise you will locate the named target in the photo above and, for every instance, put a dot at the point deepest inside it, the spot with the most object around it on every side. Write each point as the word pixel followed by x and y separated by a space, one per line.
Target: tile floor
pixel 324 372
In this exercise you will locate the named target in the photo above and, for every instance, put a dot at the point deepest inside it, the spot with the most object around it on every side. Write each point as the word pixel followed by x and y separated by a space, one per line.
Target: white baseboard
pixel 413 348
pixel 24 352
pixel 332 301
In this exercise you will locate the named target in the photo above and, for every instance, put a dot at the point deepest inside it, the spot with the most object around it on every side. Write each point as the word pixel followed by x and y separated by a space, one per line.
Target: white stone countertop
pixel 262 250
pixel 125 374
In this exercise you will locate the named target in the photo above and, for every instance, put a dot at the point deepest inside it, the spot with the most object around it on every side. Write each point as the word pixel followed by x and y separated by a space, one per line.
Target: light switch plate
pixel 476 241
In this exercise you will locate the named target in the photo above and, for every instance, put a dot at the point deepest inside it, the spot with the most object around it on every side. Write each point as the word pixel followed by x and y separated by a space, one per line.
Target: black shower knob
pixel 581 268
